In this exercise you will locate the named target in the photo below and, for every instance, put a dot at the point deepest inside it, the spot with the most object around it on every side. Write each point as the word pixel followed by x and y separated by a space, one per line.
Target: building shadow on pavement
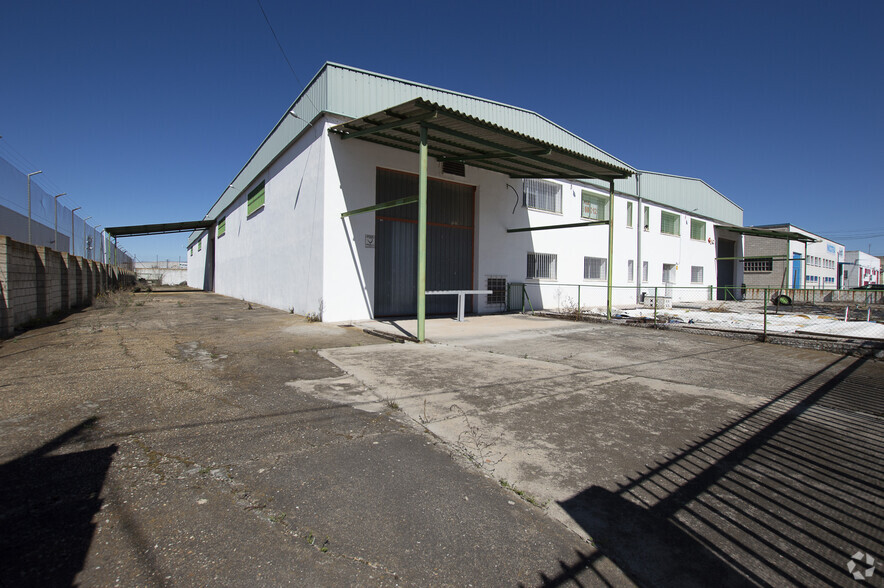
pixel 47 503
pixel 784 495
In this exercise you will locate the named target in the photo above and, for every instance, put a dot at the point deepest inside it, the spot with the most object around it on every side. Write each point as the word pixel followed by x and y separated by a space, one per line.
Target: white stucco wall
pixel 196 262
pixel 274 256
pixel 350 179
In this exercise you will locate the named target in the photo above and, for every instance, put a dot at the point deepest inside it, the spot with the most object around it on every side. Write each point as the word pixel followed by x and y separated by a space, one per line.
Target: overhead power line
pixel 281 50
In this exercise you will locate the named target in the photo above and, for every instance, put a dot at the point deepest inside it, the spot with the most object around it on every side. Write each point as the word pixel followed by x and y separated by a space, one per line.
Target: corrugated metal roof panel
pixel 354 93
pixel 459 136
pixel 690 195
pixel 357 93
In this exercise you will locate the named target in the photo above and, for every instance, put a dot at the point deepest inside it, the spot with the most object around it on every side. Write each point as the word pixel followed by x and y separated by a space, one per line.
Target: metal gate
pixel 450 213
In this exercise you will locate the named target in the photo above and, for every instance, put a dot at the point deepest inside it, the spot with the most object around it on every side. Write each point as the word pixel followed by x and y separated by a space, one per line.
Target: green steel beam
pixel 621 173
pixel 610 245
pixel 422 239
pixel 516 152
pixel 547 227
pixel 390 204
pixel 544 171
pixel 391 125
pixel 490 156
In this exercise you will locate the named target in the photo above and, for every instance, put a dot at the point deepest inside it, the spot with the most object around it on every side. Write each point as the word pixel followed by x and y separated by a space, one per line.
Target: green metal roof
pixel 455 136
pixel 355 93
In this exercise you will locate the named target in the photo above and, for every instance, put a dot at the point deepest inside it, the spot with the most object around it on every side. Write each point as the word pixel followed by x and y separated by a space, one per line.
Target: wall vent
pixel 454 168
pixel 497 285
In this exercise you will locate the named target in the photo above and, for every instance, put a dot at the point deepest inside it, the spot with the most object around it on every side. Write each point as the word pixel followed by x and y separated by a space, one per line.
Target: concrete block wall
pixel 36 282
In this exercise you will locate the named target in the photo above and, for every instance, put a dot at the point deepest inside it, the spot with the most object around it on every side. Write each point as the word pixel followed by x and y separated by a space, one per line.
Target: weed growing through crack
pixel 522 494
pixel 475 445
pixel 424 417
pixel 391 403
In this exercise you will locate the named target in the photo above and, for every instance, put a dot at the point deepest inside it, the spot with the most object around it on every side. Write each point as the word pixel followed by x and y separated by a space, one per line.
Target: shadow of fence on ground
pixel 784 495
pixel 47 503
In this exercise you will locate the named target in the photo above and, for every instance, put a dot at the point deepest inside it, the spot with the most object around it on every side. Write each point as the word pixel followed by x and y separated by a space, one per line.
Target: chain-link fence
pixel 852 314
pixel 52 224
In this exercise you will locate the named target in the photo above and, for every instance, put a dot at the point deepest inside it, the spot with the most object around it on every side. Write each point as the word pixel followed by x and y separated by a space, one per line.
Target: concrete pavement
pixel 179 439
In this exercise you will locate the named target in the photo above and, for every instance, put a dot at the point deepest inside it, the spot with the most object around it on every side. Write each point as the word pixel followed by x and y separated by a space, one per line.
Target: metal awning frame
pixel 459 137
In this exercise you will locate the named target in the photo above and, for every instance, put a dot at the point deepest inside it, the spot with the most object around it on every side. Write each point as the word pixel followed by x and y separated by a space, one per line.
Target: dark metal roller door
pixel 450 212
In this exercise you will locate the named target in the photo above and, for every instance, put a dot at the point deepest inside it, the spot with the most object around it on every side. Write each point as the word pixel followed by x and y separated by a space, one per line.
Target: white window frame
pixel 602 267
pixel 601 203
pixel 698 223
pixel 629 214
pixel 645 266
pixel 630 270
pixel 696 269
pixel 547 261
pixel 533 197
pixel 677 219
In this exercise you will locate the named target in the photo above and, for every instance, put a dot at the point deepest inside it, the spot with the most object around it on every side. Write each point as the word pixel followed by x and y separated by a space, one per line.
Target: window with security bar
pixel 594 207
pixel 595 268
pixel 669 223
pixel 542 266
pixel 758 265
pixel 541 195
pixel 698 230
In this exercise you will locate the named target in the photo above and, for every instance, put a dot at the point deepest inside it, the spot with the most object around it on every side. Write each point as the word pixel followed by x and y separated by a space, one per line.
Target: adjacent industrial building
pixel 860 269
pixel 371 191
pixel 798 259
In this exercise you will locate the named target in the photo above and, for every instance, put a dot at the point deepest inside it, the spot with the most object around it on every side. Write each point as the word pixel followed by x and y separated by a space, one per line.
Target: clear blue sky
pixel 144 111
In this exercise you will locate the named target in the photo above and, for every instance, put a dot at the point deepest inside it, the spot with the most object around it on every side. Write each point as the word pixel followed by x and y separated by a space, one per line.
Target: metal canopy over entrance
pixel 428 129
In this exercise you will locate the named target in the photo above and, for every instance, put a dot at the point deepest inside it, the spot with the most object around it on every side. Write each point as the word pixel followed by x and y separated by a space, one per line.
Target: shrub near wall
pixel 36 282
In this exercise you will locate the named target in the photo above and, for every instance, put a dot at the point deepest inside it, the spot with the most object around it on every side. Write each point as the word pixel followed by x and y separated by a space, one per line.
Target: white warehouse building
pixel 325 218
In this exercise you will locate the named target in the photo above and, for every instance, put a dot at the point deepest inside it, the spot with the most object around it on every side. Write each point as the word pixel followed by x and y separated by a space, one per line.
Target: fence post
pixel 655 306
pixel 523 298
pixel 764 301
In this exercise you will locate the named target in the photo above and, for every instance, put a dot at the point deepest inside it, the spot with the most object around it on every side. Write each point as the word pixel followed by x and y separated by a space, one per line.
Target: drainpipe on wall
pixel 639 229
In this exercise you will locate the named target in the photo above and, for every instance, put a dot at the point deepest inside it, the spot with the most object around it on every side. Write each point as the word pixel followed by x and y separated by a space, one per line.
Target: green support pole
pixel 422 239
pixel 610 245
pixel 764 332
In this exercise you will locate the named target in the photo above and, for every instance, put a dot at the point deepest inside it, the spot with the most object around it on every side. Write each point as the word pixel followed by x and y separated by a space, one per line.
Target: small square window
pixel 594 207
pixel 542 195
pixel 256 199
pixel 696 274
pixel 669 223
pixel 542 266
pixel 698 230
pixel 595 268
